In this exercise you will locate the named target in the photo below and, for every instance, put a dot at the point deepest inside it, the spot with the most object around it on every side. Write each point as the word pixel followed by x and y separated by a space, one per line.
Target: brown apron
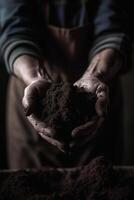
pixel 65 58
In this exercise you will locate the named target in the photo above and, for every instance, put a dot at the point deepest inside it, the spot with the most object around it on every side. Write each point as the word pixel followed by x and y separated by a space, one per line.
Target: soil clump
pixel 64 107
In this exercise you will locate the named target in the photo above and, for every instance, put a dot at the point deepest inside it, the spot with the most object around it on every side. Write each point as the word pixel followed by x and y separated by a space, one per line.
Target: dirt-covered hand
pixel 33 95
pixel 94 85
pixel 103 68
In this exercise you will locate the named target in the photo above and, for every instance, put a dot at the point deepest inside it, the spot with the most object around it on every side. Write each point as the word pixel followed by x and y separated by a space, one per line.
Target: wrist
pixel 26 68
pixel 105 65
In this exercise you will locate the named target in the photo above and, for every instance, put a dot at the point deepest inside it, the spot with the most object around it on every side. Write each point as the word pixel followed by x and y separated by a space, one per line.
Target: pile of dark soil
pixel 64 107
pixel 95 181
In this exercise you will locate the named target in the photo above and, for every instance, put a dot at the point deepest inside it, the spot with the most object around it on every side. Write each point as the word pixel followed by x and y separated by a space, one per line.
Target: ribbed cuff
pixel 19 48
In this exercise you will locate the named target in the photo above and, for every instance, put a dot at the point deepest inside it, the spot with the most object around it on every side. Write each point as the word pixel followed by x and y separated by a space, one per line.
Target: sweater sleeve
pixel 19 31
pixel 111 30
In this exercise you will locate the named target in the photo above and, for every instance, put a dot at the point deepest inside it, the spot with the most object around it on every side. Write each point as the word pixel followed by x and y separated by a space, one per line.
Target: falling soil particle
pixel 95 181
pixel 64 107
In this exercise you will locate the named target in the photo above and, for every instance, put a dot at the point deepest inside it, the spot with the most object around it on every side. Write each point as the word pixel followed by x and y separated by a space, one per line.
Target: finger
pixel 78 142
pixel 54 142
pixel 89 136
pixel 101 106
pixel 102 89
pixel 41 126
pixel 32 93
pixel 29 99
pixel 81 130
pixel 102 100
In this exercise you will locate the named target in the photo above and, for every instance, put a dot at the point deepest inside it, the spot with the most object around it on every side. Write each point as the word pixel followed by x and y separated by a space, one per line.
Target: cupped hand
pixel 33 93
pixel 104 67
pixel 88 130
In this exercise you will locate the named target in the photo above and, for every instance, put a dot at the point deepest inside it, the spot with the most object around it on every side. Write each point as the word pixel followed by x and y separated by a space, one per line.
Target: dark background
pixel 3 89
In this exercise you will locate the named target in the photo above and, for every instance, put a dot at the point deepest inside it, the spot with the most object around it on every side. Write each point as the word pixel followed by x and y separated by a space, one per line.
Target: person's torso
pixel 68 36
pixel 68 13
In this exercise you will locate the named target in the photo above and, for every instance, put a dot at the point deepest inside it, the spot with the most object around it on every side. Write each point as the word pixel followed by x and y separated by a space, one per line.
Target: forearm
pixel 19 35
pixel 105 65
pixel 26 68
pixel 110 32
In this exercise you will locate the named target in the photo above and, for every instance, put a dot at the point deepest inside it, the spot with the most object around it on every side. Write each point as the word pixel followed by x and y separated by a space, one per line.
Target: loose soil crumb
pixel 64 107
pixel 95 181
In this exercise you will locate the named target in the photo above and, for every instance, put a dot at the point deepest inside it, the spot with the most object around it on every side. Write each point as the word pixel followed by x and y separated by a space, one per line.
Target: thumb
pixel 29 99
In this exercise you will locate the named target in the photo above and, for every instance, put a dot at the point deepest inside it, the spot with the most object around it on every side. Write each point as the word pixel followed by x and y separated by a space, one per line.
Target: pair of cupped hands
pixel 102 69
